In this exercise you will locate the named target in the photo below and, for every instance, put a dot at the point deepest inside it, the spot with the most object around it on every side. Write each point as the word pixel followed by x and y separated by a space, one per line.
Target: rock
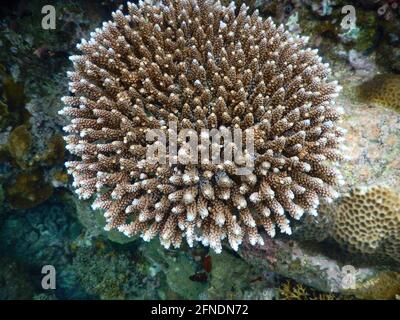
pixel 226 266
pixel 291 259
pixel 178 267
pixel 111 274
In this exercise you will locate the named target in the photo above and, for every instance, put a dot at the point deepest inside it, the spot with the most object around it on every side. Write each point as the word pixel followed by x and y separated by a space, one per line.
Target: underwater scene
pixel 200 150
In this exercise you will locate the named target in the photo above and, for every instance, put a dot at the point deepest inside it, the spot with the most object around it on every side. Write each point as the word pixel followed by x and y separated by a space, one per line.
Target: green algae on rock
pixel 227 266
pixel 110 274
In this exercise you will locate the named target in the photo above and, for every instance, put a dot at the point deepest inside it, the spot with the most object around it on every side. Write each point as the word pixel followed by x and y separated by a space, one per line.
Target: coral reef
pixel 15 283
pixel 373 165
pixel 109 274
pixel 373 134
pixel 208 74
pixel 37 228
pixel 365 222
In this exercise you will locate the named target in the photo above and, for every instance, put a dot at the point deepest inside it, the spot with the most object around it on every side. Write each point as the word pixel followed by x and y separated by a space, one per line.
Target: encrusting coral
pixel 386 286
pixel 368 221
pixel 28 189
pixel 200 65
pixel 383 89
pixel 19 144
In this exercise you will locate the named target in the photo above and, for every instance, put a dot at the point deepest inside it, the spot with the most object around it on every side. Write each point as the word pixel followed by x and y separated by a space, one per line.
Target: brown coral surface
pixel 201 65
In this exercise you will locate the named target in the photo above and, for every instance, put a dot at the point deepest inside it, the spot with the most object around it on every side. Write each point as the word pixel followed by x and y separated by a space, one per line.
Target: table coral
pixel 202 66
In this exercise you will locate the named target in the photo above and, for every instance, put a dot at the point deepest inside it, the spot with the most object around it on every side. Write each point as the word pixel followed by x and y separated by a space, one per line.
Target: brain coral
pixel 368 221
pixel 383 89
pixel 203 66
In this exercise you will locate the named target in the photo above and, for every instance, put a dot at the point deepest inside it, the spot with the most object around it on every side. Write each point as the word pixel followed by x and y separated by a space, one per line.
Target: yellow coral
pixel 14 111
pixel 385 286
pixel 293 292
pixel 55 152
pixel 19 143
pixel 383 89
pixel 290 291
pixel 28 190
pixel 368 221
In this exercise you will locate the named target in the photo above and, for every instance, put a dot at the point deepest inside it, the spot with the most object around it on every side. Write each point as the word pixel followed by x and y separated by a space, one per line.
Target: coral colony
pixel 201 65
pixel 367 220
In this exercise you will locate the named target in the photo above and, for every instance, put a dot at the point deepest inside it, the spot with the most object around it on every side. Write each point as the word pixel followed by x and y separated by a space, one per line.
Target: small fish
pixel 199 277
pixel 207 264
